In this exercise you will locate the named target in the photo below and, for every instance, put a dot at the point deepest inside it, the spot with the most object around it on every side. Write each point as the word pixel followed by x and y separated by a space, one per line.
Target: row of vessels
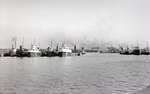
pixel 134 51
pixel 35 51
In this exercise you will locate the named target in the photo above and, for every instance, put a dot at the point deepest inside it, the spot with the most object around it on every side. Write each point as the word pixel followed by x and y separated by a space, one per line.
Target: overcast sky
pixel 44 20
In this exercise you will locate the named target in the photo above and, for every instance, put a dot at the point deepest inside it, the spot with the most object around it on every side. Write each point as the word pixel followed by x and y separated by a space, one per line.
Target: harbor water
pixel 88 74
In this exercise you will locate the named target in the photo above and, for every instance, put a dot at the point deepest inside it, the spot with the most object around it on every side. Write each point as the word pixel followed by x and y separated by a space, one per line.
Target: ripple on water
pixel 89 74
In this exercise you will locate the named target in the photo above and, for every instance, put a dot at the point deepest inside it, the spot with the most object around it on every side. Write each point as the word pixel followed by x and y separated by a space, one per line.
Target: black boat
pixel 145 51
pixel 124 51
pixel 136 51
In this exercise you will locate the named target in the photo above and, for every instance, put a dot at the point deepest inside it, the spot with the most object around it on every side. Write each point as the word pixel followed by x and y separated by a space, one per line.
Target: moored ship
pixel 145 51
pixel 65 51
pixel 34 51
pixel 136 51
pixel 125 51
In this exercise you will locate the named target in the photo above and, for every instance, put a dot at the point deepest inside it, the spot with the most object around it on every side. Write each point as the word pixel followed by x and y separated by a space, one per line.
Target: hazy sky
pixel 43 20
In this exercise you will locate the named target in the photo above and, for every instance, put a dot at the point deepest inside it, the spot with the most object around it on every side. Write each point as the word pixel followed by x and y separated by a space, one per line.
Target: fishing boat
pixel 125 51
pixel 34 51
pixel 136 51
pixel 13 52
pixel 65 51
pixel 145 51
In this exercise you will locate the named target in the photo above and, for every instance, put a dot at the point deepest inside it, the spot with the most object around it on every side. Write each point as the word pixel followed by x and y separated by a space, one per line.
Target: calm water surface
pixel 89 74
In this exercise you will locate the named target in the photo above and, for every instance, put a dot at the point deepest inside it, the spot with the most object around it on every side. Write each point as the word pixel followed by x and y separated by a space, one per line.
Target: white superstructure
pixel 65 51
pixel 34 51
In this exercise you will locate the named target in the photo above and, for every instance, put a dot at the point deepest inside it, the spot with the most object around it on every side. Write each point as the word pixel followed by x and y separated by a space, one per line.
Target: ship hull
pixel 136 52
pixel 145 53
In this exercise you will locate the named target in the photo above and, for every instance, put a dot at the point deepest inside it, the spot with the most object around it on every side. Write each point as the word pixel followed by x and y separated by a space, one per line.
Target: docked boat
pixel 125 51
pixel 65 51
pixel 136 51
pixel 34 51
pixel 145 51
pixel 22 52
pixel 13 52
pixel 49 52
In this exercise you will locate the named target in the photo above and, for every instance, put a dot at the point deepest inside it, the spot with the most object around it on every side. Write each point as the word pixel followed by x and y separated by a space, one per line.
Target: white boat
pixel 13 52
pixel 65 51
pixel 34 51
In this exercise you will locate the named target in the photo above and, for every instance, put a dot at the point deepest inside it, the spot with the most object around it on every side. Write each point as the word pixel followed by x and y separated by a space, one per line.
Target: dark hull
pixel 135 52
pixel 145 53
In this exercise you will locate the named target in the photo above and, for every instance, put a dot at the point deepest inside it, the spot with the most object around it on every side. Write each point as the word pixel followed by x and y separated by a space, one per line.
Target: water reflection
pixel 89 74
